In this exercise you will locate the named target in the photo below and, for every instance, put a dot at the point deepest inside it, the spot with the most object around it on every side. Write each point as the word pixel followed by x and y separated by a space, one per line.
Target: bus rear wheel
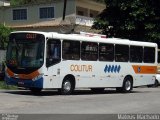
pixel 127 85
pixel 67 87
pixel 156 84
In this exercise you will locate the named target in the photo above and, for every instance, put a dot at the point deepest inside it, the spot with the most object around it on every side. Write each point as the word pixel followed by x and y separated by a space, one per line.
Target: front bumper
pixel 24 83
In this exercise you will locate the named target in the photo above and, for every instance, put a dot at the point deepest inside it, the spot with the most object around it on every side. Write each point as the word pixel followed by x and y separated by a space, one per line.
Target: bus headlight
pixel 7 75
pixel 38 77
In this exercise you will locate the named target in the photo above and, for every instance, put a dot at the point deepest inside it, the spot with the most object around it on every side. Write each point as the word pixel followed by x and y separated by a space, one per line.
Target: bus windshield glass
pixel 25 51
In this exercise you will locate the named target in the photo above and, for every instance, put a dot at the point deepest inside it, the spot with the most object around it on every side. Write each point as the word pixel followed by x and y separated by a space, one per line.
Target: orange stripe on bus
pixel 29 76
pixel 138 69
pixel 23 76
pixel 10 73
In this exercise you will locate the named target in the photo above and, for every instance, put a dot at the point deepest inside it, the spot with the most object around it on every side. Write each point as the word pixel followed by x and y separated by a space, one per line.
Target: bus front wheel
pixel 67 87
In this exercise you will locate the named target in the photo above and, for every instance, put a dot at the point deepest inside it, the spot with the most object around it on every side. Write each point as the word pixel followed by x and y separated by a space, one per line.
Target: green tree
pixel 23 2
pixel 4 33
pixel 15 2
pixel 132 19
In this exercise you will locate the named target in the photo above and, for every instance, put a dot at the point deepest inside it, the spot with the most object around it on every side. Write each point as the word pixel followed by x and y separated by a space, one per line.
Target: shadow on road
pixel 76 92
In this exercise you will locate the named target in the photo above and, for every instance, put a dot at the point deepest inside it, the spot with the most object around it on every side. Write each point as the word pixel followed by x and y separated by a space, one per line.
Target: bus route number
pixel 30 36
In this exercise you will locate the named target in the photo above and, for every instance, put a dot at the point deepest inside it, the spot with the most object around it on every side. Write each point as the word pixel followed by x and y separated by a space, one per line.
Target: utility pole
pixel 64 9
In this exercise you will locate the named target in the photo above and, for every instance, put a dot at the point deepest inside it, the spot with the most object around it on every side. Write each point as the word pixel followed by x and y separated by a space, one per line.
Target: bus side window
pixel 149 55
pixel 53 52
pixel 158 57
pixel 121 53
pixel 89 51
pixel 71 50
pixel 136 54
pixel 106 52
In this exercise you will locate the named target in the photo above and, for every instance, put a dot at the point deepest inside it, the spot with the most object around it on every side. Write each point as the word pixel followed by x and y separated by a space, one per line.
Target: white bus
pixel 41 60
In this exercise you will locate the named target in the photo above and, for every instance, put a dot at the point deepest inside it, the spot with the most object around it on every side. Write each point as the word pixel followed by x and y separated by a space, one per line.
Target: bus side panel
pixel 96 74
pixel 144 74
pixel 141 80
pixel 52 77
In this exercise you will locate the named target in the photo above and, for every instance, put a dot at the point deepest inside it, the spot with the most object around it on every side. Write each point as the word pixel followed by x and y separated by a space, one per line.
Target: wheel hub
pixel 128 85
pixel 67 86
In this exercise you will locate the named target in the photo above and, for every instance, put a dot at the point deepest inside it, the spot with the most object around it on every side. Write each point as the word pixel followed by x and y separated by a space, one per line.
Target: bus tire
pixel 156 83
pixel 127 85
pixel 67 86
pixel 97 90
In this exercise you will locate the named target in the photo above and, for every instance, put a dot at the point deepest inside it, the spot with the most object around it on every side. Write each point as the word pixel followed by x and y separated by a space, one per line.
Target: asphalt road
pixel 140 101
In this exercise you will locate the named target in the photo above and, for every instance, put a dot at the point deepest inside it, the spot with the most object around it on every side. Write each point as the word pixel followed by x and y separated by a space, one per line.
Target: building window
pixel 93 13
pixel 81 13
pixel 20 14
pixel 46 12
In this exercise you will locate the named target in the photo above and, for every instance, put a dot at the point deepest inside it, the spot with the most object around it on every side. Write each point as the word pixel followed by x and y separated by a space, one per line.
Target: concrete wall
pixel 4 3
pixel 33 13
pixel 90 5
pixel 34 22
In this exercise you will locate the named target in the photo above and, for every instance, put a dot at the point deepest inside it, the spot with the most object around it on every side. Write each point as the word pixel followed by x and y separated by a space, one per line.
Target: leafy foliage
pixel 23 2
pixel 4 32
pixel 4 86
pixel 132 19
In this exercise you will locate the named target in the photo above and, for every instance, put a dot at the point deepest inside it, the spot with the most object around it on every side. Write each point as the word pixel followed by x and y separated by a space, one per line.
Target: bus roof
pixel 79 37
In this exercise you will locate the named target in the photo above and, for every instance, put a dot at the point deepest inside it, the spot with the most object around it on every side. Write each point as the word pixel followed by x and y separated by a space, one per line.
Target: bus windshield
pixel 25 53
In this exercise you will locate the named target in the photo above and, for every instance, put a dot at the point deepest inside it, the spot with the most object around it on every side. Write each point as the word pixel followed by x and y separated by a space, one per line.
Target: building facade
pixel 48 17
pixel 4 3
